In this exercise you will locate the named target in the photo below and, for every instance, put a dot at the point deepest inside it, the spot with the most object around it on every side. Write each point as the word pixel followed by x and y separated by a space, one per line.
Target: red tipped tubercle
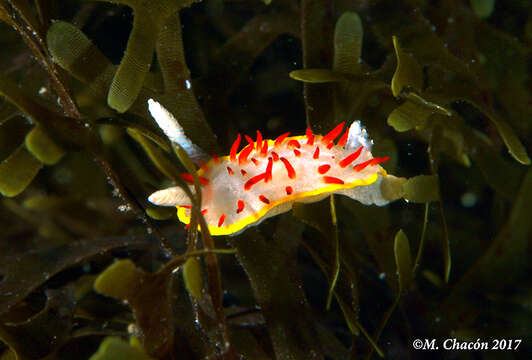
pixel 294 143
pixel 332 180
pixel 264 150
pixel 240 206
pixel 234 148
pixel 362 166
pixel 259 141
pixel 316 155
pixel 370 162
pixel 322 169
pixel 190 179
pixel 243 157
pixel 280 139
pixel 343 139
pixel 350 158
pixel 250 140
pixel 269 170
pixel 255 179
pixel 376 161
pixel 289 169
pixel 310 136
pixel 333 134
pixel 264 199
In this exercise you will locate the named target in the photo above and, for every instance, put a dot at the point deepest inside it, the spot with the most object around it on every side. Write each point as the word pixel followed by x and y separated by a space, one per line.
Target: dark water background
pixel 444 89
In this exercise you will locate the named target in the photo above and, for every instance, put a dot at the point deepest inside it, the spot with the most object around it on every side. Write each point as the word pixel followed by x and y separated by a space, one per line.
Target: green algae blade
pixel 408 116
pixel 193 277
pixel 73 51
pixel 155 153
pixel 114 348
pixel 160 213
pixel 403 260
pixel 408 72
pixel 422 188
pixel 317 76
pixel 118 280
pixel 42 147
pixel 18 171
pixel 129 78
pixel 348 35
pixel 482 8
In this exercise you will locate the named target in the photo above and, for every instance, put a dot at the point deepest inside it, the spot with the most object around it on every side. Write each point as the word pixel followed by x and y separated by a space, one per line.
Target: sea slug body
pixel 266 176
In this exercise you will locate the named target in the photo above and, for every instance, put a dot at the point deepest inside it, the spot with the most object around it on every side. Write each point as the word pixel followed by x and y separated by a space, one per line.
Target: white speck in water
pixel 188 84
pixel 43 90
pixel 382 276
pixel 468 199
pixel 124 208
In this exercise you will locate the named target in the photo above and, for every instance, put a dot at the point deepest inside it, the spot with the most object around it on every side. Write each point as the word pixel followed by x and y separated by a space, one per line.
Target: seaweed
pixel 89 269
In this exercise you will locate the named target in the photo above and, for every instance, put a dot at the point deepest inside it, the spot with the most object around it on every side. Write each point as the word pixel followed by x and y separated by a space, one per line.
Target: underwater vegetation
pixel 89 268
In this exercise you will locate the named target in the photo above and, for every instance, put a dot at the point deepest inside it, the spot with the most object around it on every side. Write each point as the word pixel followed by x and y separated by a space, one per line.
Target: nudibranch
pixel 266 176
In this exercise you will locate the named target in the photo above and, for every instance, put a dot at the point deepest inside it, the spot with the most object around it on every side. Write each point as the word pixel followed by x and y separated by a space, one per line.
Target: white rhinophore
pixel 174 131
pixel 358 136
